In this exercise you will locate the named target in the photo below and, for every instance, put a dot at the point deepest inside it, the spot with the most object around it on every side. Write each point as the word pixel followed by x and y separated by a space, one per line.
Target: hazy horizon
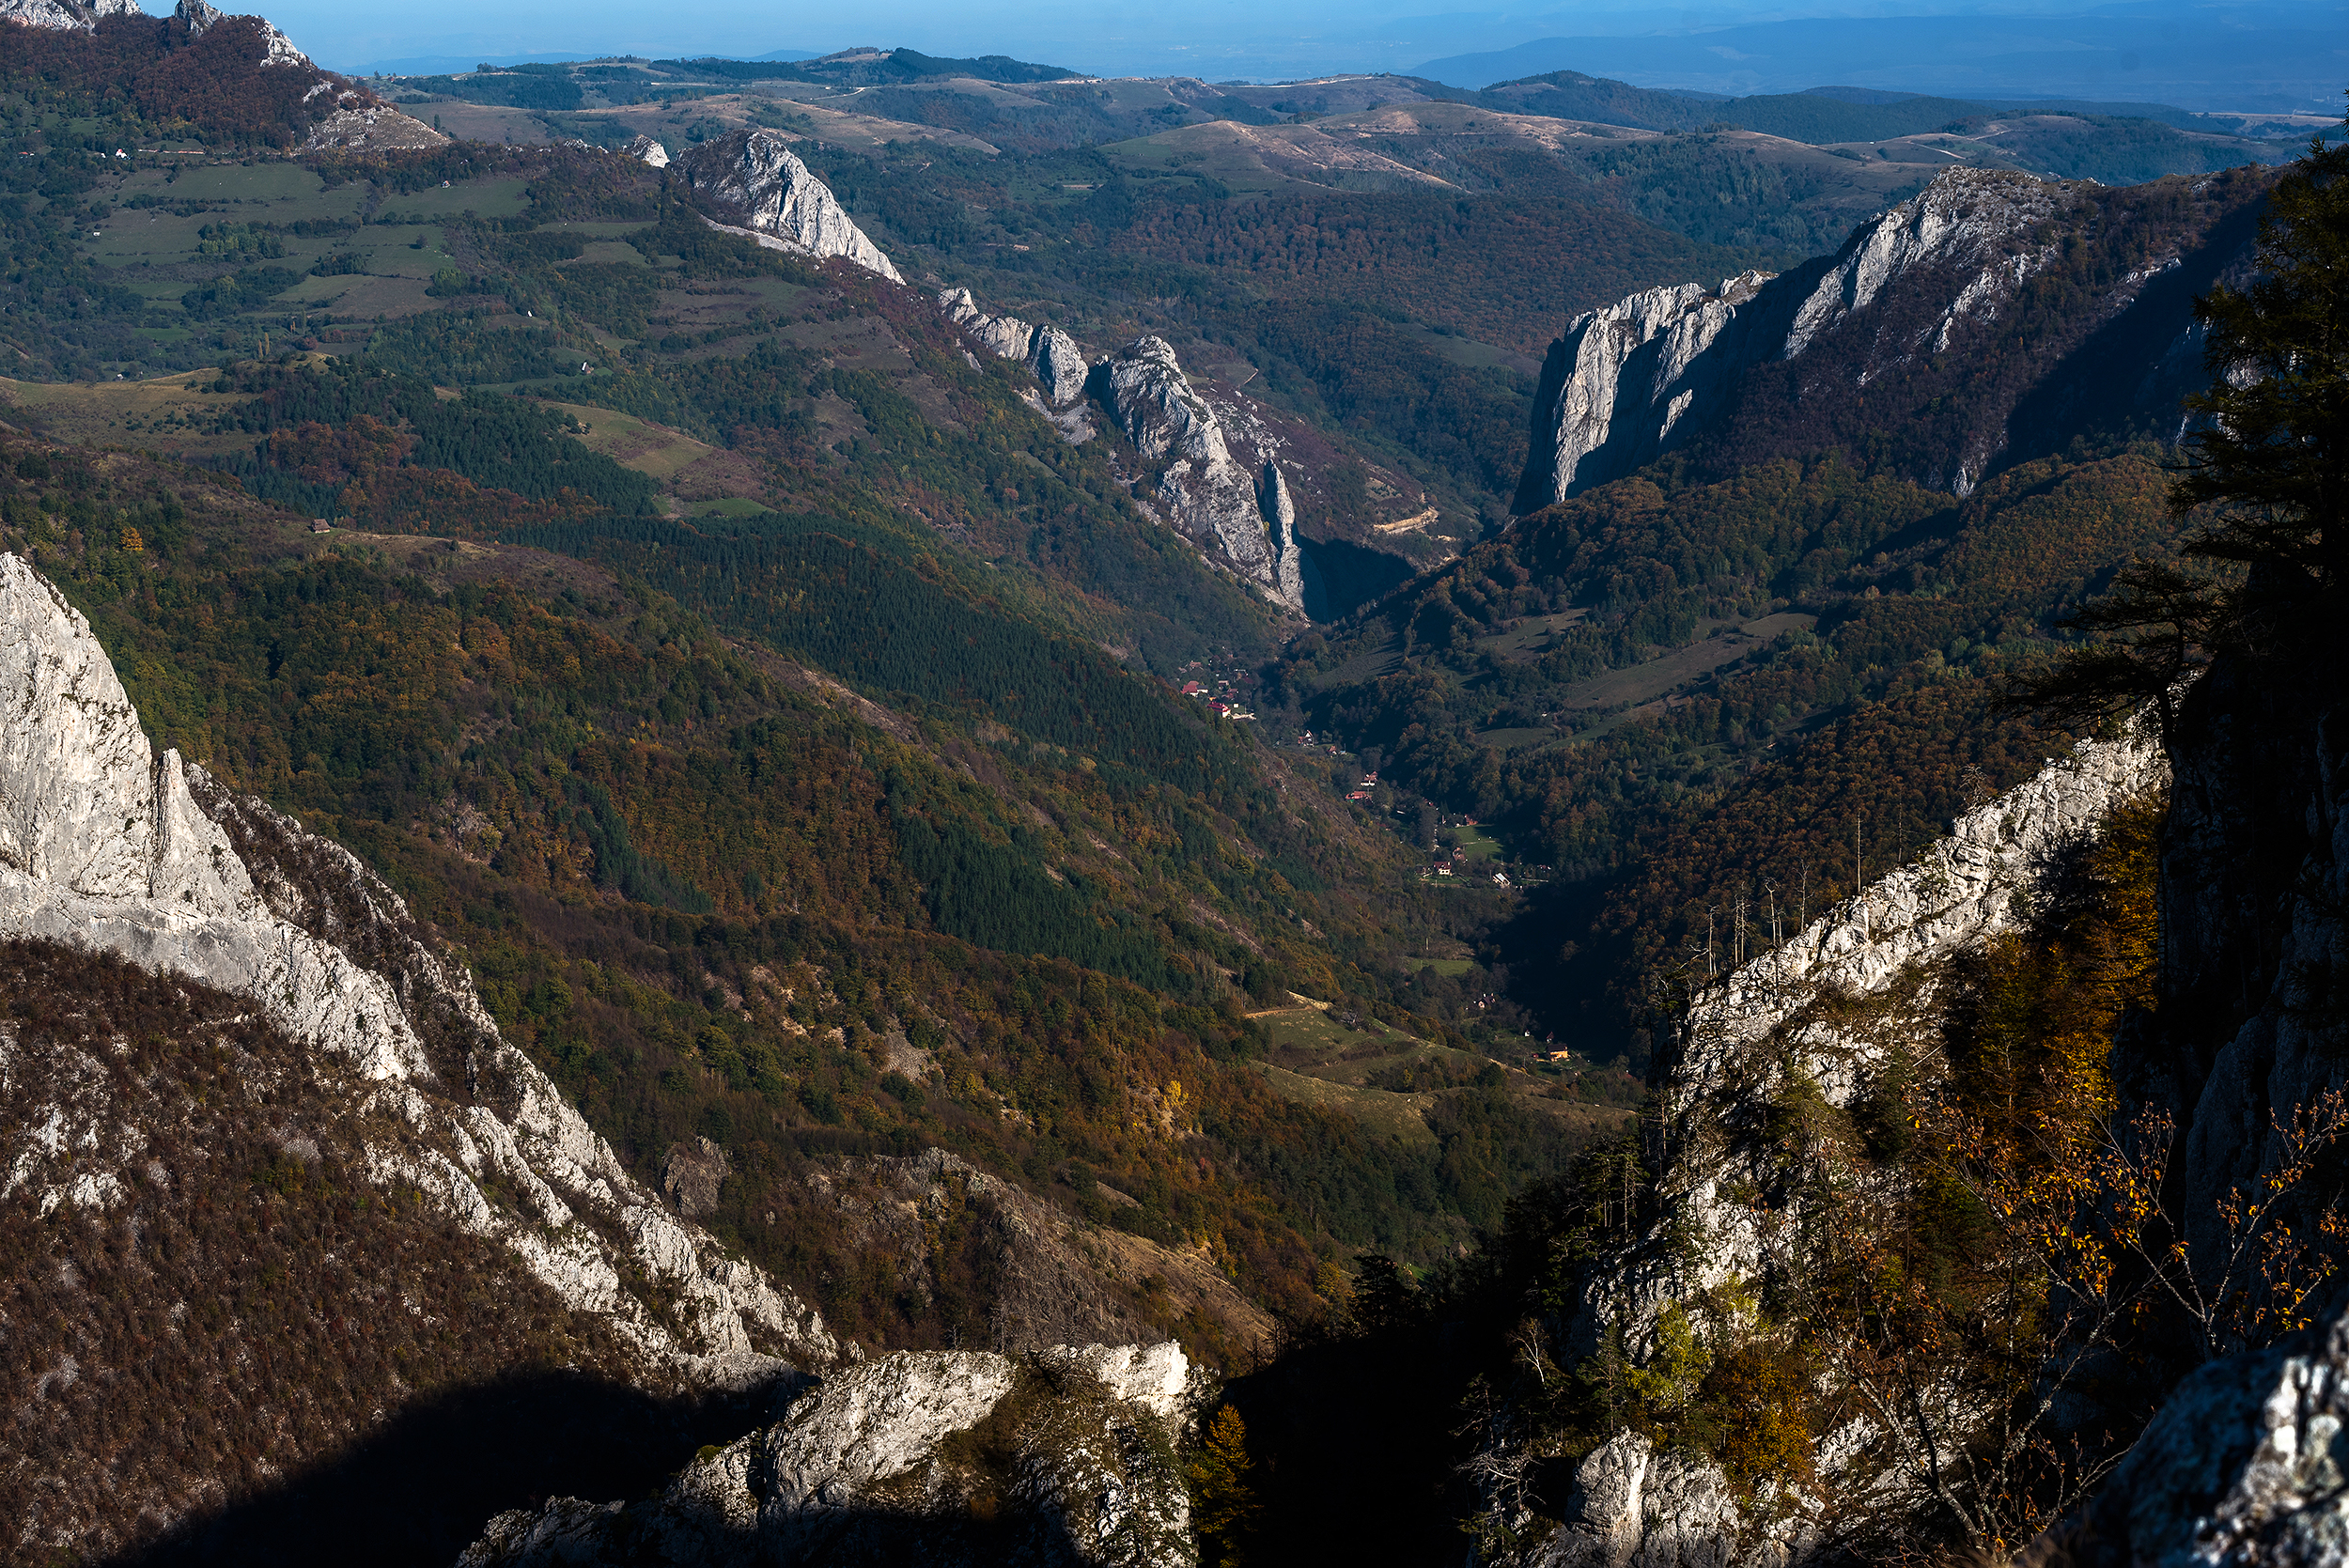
pixel 2167 49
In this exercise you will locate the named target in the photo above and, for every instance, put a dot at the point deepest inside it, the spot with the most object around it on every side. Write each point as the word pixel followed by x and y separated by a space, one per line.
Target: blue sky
pixel 2172 47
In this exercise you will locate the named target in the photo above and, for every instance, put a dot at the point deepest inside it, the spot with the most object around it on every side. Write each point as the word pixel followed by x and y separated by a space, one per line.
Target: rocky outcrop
pixel 276 48
pixel 1066 1458
pixel 691 1174
pixel 2242 1468
pixel 1209 496
pixel 1734 1048
pixel 1059 364
pixel 755 183
pixel 371 128
pixel 1280 516
pixel 65 15
pixel 1825 1014
pixel 1895 323
pixel 1245 522
pixel 1623 378
pixel 1631 1507
pixel 105 846
pixel 1056 1279
pixel 645 151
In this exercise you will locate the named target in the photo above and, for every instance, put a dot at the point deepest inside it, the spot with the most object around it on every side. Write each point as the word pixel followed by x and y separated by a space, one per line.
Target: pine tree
pixel 2270 460
pixel 2273 450
pixel 1222 1501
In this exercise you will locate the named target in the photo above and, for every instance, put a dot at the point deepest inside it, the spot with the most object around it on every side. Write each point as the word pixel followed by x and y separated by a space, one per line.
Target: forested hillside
pixel 928 866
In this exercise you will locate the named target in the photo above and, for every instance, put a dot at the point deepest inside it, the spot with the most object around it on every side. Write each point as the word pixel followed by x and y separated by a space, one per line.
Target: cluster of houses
pixel 1221 699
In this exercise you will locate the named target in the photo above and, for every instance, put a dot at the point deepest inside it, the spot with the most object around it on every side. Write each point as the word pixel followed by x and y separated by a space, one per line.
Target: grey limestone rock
pixel 1729 1048
pixel 1212 498
pixel 1630 382
pixel 1280 515
pixel 65 15
pixel 358 126
pixel 1632 1507
pixel 105 847
pixel 1059 364
pixel 2247 1464
pixel 754 177
pixel 201 17
pixel 1066 1457
pixel 645 150
pixel 691 1174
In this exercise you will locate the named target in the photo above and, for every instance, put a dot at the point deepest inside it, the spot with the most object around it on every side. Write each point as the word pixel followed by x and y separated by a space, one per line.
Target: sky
pixel 2211 51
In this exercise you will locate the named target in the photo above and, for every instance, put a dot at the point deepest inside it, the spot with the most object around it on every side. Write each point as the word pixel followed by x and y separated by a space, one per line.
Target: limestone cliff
pixel 1900 330
pixel 65 15
pixel 757 185
pixel 105 846
pixel 1059 364
pixel 1824 1016
pixel 1066 1458
pixel 1745 1038
pixel 1209 494
pixel 278 48
pixel 645 150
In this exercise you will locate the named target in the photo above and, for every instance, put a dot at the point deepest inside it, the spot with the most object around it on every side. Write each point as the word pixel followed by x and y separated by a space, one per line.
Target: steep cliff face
pixel 1992 309
pixel 106 848
pixel 1206 492
pixel 1059 364
pixel 1825 1020
pixel 278 48
pixel 945 1457
pixel 1745 1037
pixel 754 179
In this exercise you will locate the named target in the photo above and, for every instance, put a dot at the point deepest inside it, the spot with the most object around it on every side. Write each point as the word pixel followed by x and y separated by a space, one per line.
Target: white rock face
pixel 370 127
pixel 201 17
pixel 1960 893
pixel 1622 374
pixel 65 15
pixel 645 150
pixel 859 1471
pixel 105 846
pixel 1634 1507
pixel 1626 383
pixel 1741 1042
pixel 1211 498
pixel 2241 1467
pixel 1280 516
pixel 755 177
pixel 1059 364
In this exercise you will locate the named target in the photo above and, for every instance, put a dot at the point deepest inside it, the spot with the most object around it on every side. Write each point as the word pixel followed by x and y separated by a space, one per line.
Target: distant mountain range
pixel 2286 60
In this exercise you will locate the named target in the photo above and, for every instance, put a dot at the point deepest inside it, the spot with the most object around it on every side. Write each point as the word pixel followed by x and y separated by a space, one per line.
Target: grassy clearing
pixel 1646 682
pixel 1397 1116
pixel 1479 844
pixel 1530 639
pixel 637 444
pixel 124 414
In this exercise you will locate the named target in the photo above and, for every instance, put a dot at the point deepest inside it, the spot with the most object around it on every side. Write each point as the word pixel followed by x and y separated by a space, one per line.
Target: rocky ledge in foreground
pixel 945 1457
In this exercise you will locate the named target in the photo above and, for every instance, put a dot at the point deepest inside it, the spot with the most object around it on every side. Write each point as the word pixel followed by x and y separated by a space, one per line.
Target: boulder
pixel 944 1457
